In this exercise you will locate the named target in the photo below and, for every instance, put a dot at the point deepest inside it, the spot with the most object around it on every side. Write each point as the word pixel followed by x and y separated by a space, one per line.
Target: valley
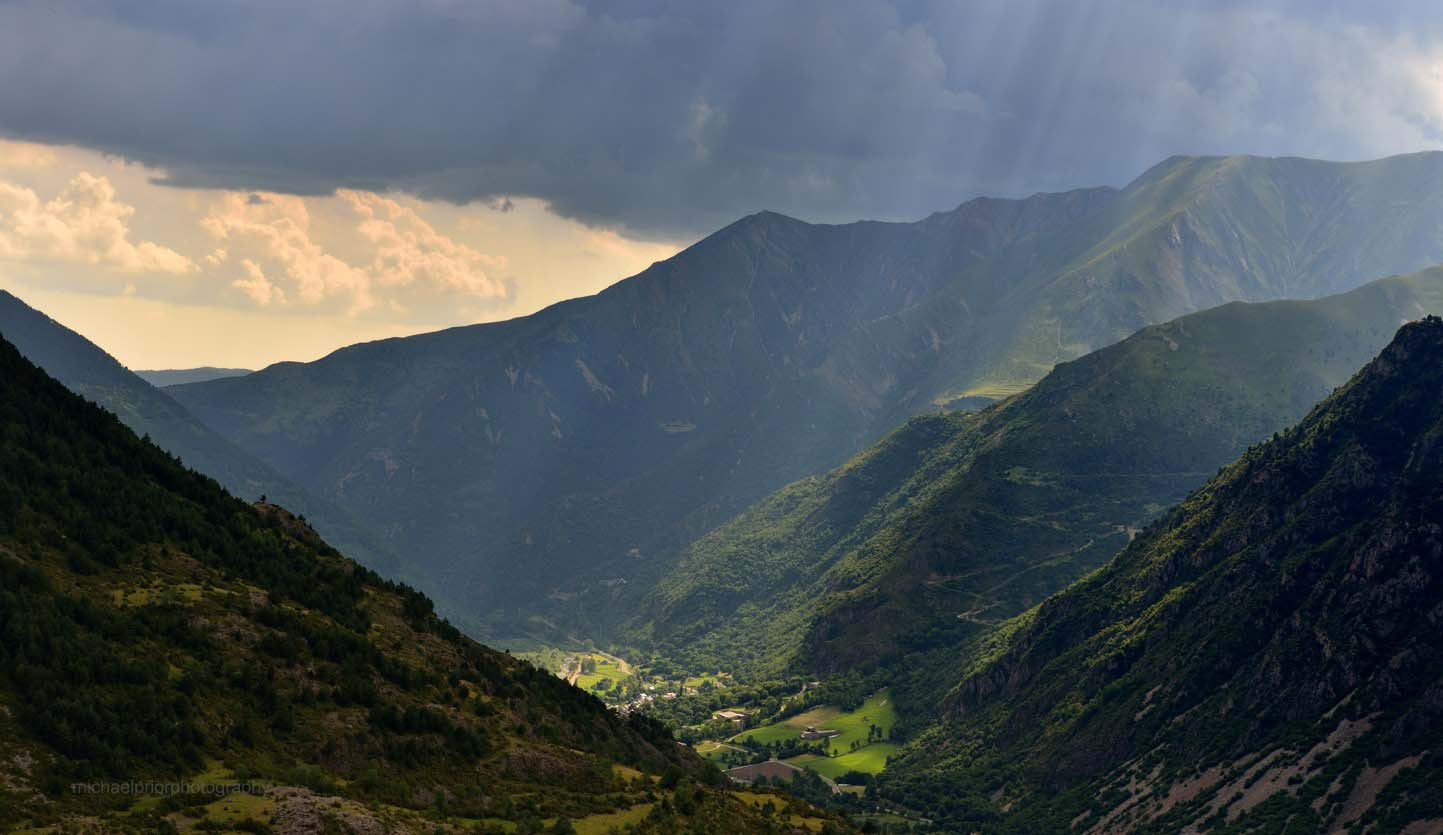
pixel 943 467
pixel 813 640
pixel 1006 417
pixel 890 635
pixel 736 725
pixel 955 522
pixel 235 673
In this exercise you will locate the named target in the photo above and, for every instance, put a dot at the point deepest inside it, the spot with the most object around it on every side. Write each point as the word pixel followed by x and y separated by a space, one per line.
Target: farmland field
pixel 869 760
pixel 606 667
pixel 877 711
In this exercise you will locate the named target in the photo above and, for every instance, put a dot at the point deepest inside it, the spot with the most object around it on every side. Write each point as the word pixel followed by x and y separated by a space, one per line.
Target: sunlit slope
pixel 1196 232
pixel 957 521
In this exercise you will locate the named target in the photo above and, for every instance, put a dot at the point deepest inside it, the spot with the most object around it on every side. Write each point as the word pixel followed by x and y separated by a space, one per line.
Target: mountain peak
pixel 1424 334
pixel 1402 388
pixel 765 219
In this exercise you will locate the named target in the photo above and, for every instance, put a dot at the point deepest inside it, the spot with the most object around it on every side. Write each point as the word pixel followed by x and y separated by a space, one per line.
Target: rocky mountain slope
pixel 155 631
pixel 1265 658
pixel 546 470
pixel 958 521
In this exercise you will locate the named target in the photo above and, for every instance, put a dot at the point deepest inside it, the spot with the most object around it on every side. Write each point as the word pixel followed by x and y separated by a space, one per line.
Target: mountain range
pixel 955 522
pixel 542 474
pixel 1085 490
pixel 161 378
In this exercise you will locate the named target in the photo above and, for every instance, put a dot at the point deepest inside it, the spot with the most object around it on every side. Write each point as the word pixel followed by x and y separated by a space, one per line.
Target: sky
pixel 238 183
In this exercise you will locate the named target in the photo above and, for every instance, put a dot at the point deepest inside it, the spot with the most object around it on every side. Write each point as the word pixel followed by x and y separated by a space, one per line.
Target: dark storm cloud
pixel 671 118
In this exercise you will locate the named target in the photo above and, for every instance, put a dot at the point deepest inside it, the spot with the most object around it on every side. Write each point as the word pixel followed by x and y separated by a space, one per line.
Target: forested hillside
pixel 155 629
pixel 1265 658
pixel 89 371
pixel 959 521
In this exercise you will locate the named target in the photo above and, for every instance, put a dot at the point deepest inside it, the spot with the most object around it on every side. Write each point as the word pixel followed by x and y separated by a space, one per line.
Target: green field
pixel 719 679
pixel 607 667
pixel 547 658
pixel 714 751
pixel 555 660
pixel 876 710
pixel 612 821
pixel 869 760
pixel 792 728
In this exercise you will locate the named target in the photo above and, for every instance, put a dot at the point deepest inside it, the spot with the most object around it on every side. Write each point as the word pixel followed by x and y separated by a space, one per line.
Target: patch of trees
pixel 103 711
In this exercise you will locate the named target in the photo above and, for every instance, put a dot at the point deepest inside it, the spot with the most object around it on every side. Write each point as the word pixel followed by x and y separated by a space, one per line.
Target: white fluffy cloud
pixel 278 231
pixel 373 266
pixel 83 224
pixel 410 253
pixel 259 288
pixel 380 255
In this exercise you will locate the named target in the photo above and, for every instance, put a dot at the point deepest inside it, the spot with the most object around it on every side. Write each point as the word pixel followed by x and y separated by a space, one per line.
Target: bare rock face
pixel 299 811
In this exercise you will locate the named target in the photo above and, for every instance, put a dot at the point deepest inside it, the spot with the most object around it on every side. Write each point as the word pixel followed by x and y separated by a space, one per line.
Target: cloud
pixel 83 224
pixel 410 254
pixel 259 288
pixel 26 155
pixel 386 258
pixel 672 118
pixel 278 231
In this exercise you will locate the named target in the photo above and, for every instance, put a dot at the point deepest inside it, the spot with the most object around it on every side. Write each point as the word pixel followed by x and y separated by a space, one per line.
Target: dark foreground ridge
pixel 156 631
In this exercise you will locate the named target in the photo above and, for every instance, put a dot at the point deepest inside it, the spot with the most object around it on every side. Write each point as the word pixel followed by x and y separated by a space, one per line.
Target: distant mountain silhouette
pixel 176 376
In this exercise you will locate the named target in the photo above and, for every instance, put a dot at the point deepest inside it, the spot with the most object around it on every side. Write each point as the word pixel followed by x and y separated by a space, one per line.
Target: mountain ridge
pixel 162 377
pixel 589 442
pixel 88 370
pixel 956 521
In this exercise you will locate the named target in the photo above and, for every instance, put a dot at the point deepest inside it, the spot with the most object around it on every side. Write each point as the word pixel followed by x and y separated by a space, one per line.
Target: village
pixel 757 734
